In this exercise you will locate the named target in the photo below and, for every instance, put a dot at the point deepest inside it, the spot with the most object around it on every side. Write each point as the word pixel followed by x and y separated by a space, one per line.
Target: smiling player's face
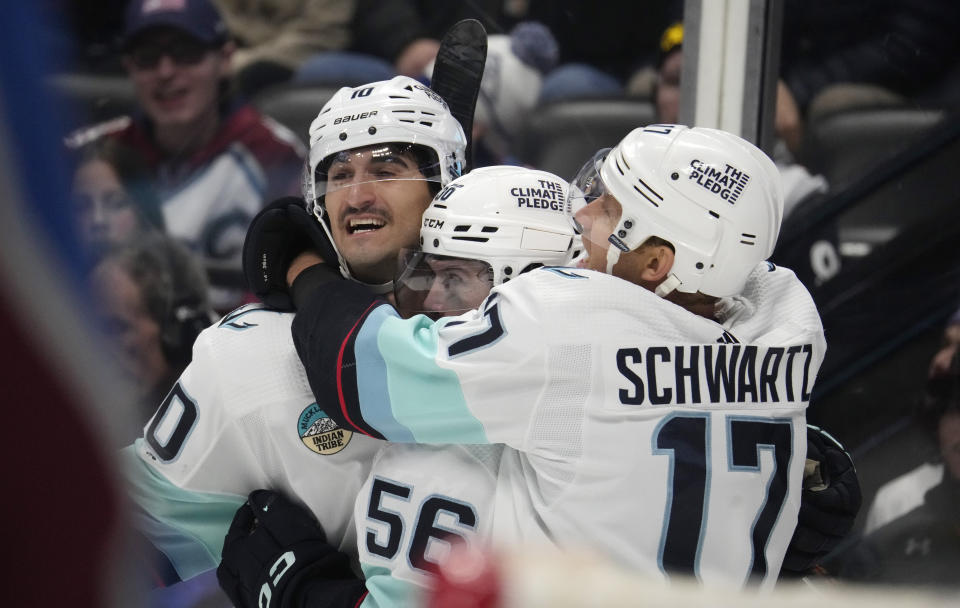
pixel 375 197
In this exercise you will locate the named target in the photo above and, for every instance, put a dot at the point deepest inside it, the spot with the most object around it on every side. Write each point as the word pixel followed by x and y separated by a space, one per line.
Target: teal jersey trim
pixel 188 527
pixel 384 590
pixel 424 397
pixel 372 379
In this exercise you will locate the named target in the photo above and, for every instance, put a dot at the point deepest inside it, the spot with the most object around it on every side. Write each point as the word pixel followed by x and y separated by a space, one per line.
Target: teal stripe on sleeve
pixel 384 590
pixel 425 398
pixel 372 379
pixel 188 527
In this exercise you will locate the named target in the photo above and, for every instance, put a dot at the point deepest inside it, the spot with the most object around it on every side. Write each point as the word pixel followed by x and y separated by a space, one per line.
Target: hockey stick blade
pixel 458 71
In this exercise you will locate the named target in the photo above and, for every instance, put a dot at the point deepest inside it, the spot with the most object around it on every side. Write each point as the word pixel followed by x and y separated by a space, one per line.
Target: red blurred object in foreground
pixel 468 578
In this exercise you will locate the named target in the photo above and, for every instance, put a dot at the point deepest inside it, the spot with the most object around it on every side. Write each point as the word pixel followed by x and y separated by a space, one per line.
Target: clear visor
pixel 376 166
pixel 595 215
pixel 585 188
pixel 440 285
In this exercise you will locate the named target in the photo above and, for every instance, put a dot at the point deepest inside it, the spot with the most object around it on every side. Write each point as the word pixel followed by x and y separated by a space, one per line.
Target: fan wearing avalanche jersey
pixel 673 366
pixel 214 159
pixel 242 415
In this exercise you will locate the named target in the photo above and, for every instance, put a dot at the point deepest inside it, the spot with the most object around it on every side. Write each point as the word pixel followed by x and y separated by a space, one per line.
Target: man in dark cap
pixel 216 161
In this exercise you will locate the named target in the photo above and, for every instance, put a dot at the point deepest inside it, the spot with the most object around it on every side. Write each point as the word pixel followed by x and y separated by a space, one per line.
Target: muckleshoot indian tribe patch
pixel 320 433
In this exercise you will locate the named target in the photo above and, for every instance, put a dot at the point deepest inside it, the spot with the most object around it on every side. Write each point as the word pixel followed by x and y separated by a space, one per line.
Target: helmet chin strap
pixel 378 288
pixel 613 256
pixel 663 289
pixel 667 286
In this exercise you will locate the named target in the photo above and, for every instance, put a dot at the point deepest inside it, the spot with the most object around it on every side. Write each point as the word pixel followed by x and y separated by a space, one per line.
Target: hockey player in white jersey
pixel 418 499
pixel 241 416
pixel 674 366
pixel 421 499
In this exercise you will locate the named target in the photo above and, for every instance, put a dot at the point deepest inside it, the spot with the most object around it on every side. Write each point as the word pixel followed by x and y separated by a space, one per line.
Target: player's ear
pixel 656 263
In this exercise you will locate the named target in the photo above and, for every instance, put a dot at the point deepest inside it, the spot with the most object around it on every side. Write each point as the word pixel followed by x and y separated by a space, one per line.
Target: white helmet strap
pixel 667 286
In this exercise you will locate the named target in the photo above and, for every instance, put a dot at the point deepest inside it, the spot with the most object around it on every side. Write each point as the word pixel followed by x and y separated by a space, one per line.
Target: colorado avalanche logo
pixel 320 433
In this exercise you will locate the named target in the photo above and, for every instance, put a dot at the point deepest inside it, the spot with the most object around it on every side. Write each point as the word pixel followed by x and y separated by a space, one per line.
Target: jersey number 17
pixel 684 438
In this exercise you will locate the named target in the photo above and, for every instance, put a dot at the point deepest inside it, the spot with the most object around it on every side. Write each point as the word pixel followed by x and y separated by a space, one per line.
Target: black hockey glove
pixel 275 555
pixel 829 502
pixel 277 234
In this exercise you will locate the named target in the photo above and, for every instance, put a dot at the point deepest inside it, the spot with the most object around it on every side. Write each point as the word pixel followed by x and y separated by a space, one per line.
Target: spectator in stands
pixel 216 161
pixel 151 299
pixel 607 49
pixel 275 37
pixel 391 37
pixel 798 184
pixel 922 546
pixel 153 303
pixel 138 273
pixel 837 55
pixel 669 67
pixel 113 196
pixel 604 48
pixel 512 79
pixel 947 355
pixel 850 53
pixel 904 493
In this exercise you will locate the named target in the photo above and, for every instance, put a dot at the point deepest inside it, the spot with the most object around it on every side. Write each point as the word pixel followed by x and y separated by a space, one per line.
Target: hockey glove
pixel 279 232
pixel 275 555
pixel 829 502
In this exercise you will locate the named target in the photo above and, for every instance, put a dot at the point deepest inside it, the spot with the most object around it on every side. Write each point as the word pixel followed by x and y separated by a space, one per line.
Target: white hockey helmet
pixel 399 110
pixel 510 219
pixel 715 197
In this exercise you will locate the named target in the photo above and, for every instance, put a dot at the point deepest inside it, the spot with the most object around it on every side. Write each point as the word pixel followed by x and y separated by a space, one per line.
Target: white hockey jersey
pixel 241 417
pixel 417 502
pixel 670 442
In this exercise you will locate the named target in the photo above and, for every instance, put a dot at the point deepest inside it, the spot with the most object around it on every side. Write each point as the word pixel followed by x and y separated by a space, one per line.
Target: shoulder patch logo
pixel 230 321
pixel 563 272
pixel 320 433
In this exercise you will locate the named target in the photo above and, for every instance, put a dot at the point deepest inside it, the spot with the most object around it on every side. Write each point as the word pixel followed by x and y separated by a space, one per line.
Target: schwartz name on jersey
pixel 241 417
pixel 671 442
